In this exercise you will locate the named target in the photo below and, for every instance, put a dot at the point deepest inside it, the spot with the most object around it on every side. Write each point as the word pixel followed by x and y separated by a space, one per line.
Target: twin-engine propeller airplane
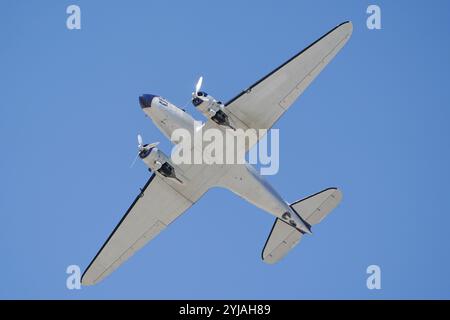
pixel 173 188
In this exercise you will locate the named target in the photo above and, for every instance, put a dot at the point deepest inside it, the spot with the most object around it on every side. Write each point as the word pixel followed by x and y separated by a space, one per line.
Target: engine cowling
pixel 158 161
pixel 211 108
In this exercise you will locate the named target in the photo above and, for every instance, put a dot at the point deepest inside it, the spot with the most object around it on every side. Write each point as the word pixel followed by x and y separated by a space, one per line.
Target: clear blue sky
pixel 374 123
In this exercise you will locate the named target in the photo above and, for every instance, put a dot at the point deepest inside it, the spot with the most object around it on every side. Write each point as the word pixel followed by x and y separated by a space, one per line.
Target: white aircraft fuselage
pixel 168 117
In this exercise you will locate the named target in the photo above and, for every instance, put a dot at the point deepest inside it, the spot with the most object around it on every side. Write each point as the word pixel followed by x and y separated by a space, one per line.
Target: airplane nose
pixel 146 100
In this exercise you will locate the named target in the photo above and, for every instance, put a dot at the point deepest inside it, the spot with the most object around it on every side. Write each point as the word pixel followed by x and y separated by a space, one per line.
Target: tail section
pixel 284 237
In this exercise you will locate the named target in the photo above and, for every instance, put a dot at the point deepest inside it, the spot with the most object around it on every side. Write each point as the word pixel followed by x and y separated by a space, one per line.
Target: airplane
pixel 173 188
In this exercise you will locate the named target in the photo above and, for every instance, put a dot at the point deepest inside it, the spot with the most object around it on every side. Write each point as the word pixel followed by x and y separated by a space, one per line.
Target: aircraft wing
pixel 260 106
pixel 152 211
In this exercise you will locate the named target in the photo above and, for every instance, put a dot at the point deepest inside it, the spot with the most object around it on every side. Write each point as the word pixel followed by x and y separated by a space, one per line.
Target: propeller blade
pixel 140 143
pixel 134 161
pixel 198 86
pixel 152 145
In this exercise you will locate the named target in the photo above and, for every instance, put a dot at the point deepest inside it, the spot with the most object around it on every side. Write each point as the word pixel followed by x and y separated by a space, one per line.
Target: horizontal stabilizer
pixel 283 237
pixel 316 207
pixel 281 240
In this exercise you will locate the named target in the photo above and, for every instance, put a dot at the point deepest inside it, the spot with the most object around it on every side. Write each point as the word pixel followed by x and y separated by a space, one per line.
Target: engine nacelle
pixel 157 161
pixel 211 108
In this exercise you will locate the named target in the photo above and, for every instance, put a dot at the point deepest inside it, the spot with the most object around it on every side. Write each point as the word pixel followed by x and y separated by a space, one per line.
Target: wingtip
pixel 348 24
pixel 267 260
pixel 86 281
pixel 338 195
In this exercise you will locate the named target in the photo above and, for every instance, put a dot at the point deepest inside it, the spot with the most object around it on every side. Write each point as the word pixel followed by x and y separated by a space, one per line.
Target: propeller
pixel 152 145
pixel 198 86
pixel 140 143
pixel 142 147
